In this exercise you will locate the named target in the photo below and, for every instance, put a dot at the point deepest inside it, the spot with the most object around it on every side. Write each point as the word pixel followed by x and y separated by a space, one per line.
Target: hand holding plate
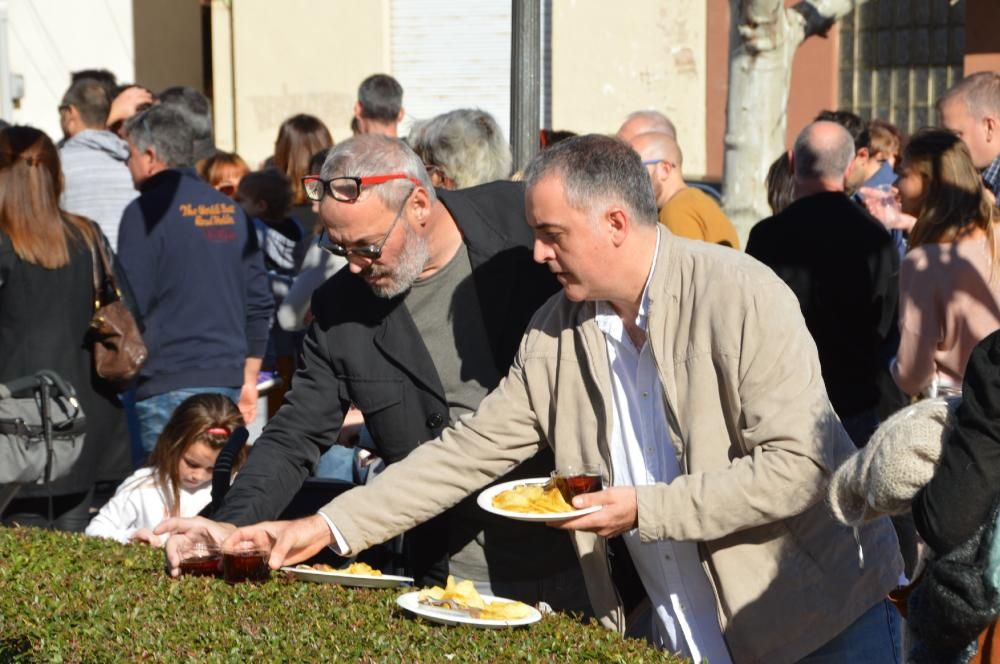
pixel 619 512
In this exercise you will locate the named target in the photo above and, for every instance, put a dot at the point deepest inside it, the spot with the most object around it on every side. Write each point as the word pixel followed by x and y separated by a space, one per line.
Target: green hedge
pixel 76 599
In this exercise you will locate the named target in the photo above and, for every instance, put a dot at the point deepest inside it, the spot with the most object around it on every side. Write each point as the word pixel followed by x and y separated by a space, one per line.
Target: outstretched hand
pixel 290 541
pixel 185 531
pixel 619 512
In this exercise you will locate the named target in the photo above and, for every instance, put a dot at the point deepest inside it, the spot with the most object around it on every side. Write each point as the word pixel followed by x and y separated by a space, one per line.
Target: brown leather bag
pixel 119 351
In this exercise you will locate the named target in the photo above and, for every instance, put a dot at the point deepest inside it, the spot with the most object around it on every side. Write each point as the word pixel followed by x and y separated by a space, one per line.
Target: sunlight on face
pixel 912 189
pixel 955 117
pixel 566 240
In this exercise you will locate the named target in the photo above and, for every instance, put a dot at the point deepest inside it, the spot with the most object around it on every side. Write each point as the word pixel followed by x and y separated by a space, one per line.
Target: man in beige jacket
pixel 687 371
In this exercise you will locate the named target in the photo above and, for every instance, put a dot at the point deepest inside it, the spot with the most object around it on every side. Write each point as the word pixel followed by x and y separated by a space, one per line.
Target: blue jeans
pixel 154 412
pixel 336 463
pixel 874 638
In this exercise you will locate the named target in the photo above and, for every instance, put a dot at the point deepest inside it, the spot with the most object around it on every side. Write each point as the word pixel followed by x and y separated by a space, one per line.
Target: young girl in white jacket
pixel 178 479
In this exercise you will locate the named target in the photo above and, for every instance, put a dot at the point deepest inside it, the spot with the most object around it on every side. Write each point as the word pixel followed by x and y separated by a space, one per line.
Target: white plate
pixel 410 602
pixel 485 500
pixel 343 579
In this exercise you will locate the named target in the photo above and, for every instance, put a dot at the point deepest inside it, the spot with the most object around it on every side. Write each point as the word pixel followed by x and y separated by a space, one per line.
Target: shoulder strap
pixel 102 268
pixel 95 270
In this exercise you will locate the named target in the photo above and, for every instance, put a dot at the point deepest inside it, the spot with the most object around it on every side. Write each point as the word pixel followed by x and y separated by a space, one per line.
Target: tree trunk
pixel 762 43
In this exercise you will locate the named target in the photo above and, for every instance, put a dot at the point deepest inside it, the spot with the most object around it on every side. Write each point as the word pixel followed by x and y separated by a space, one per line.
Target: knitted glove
pixel 883 477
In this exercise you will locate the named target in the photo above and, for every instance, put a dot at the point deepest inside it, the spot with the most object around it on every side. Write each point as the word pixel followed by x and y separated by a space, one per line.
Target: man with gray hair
pixel 420 325
pixel 462 148
pixel 842 265
pixel 98 185
pixel 971 109
pixel 192 259
pixel 197 111
pixel 686 372
pixel 379 108
pixel 643 122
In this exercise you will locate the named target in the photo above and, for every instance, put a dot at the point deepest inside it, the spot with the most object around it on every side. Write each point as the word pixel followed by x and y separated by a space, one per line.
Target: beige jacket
pixel 750 422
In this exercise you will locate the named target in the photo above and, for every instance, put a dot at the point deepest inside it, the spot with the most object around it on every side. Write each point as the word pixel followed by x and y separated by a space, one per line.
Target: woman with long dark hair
pixel 949 284
pixel 46 304
pixel 299 138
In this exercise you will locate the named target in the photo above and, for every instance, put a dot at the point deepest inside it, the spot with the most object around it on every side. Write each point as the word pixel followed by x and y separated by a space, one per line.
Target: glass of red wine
pixel 574 479
pixel 246 562
pixel 201 559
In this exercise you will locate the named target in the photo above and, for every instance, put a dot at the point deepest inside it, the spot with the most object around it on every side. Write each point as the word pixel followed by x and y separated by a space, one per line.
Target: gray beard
pixel 412 259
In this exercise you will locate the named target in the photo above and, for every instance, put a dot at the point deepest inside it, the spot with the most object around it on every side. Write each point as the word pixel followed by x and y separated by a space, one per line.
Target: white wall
pixel 50 38
pixel 609 59
pixel 307 58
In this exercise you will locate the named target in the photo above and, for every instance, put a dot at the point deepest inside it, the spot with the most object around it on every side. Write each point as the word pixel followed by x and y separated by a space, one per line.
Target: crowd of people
pixel 417 302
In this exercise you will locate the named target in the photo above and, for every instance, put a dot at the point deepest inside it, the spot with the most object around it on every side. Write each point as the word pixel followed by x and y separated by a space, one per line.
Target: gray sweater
pixel 98 182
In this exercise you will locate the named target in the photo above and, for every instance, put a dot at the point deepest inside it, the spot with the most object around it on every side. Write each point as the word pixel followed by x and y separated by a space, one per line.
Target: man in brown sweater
pixel 686 211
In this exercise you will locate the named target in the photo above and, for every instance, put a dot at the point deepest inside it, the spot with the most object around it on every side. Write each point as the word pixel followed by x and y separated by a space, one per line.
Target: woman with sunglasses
pixel 46 304
pixel 223 170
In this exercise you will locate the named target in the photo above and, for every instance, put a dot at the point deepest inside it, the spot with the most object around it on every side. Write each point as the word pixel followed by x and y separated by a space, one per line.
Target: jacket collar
pixel 168 175
pixel 398 337
pixel 664 312
pixel 662 300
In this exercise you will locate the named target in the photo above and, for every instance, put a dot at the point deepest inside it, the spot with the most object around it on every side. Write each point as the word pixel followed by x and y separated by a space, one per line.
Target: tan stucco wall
pixel 168 44
pixel 296 56
pixel 609 59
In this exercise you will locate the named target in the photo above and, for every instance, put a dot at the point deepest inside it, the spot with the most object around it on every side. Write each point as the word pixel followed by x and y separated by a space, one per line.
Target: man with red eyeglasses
pixel 416 331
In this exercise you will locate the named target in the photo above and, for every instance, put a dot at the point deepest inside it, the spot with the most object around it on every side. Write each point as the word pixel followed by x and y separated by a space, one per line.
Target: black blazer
pixel 843 267
pixel 366 350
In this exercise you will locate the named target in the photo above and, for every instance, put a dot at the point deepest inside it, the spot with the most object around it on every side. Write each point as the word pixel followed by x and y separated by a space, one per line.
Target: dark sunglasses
pixel 346 188
pixel 370 251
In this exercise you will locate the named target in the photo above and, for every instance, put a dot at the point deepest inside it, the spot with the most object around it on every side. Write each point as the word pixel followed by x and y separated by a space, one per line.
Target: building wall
pixel 609 59
pixel 46 43
pixel 982 36
pixel 814 82
pixel 168 44
pixel 309 57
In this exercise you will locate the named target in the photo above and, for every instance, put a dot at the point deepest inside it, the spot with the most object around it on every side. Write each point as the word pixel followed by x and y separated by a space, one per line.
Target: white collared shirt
pixel 686 615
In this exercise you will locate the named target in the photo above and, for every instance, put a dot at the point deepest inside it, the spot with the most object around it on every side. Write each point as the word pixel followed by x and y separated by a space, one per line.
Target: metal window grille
pixel 898 56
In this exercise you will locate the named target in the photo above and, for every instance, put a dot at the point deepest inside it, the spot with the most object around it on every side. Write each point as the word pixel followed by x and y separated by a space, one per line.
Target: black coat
pixel 844 269
pixel 44 319
pixel 366 350
pixel 960 497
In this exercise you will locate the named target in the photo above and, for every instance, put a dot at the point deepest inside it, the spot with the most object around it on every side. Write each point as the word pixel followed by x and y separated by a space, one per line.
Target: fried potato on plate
pixel 465 596
pixel 361 568
pixel 532 499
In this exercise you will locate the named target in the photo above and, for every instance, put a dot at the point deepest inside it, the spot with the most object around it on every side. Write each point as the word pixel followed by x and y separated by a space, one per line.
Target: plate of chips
pixel 529 500
pixel 459 603
pixel 359 575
